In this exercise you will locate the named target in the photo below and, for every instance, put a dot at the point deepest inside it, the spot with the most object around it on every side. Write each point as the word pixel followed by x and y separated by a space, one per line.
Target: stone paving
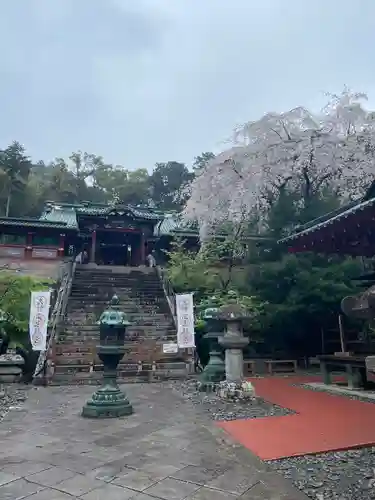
pixel 167 450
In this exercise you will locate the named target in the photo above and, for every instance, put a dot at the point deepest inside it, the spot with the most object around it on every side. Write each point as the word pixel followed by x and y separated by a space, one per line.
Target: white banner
pixel 185 320
pixel 38 322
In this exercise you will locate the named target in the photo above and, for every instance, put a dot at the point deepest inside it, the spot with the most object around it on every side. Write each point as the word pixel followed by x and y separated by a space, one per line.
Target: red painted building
pixel 116 235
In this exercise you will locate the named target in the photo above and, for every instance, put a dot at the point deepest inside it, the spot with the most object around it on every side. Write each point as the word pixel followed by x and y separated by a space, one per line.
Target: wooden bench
pixel 249 367
pixel 313 362
pixel 281 366
pixel 355 367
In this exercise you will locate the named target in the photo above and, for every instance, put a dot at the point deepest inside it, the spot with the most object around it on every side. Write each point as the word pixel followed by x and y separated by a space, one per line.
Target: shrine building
pixel 111 235
pixel 349 230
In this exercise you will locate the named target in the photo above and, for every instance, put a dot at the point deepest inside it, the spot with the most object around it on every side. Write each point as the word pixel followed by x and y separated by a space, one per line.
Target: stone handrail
pixel 168 291
pixel 57 315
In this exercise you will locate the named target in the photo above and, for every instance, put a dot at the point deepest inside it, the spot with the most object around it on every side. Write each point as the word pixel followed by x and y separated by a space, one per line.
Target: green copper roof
pixel 172 224
pixel 330 219
pixel 12 221
pixel 67 213
pixel 60 214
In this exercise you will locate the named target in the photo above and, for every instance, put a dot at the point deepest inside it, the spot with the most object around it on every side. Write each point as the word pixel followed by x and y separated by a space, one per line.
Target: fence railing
pixel 44 368
pixel 168 291
pixel 191 359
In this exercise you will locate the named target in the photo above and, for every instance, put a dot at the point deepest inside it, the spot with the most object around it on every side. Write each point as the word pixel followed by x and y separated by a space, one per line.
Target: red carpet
pixel 323 422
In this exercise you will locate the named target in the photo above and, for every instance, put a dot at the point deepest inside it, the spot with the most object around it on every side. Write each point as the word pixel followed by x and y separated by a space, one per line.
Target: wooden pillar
pixel 60 252
pixel 142 251
pixel 93 246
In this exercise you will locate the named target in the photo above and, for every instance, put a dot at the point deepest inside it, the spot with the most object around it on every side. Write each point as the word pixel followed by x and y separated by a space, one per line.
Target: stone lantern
pixel 109 401
pixel 233 341
pixel 214 371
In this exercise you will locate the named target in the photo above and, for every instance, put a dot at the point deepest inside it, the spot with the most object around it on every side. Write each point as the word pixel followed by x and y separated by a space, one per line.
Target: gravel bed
pixel 346 475
pixel 11 397
pixel 336 393
pixel 218 409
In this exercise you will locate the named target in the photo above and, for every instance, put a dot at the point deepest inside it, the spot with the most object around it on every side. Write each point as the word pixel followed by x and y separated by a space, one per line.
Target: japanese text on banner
pixel 38 322
pixel 185 320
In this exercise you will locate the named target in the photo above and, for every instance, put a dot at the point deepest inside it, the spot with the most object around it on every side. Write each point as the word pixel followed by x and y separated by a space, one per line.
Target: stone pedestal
pixel 234 343
pixel 11 368
pixel 108 401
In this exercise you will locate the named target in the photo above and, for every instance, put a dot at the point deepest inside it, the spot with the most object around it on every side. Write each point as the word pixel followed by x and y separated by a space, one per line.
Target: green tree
pixel 201 160
pixel 129 186
pixel 190 271
pixel 303 295
pixel 167 185
pixel 303 291
pixel 15 293
pixel 14 173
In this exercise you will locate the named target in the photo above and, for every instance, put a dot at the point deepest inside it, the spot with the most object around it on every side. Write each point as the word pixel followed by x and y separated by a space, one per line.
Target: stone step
pixel 124 296
pixel 129 276
pixel 87 327
pixel 76 338
pixel 153 314
pixel 93 341
pixel 111 283
pixel 129 303
pixel 109 287
pixel 127 373
pixel 75 330
pixel 81 345
pixel 89 318
pixel 90 281
pixel 141 297
pixel 151 299
pixel 132 334
pixel 83 360
pixel 143 331
pixel 103 289
pixel 79 315
pixel 127 366
pixel 135 307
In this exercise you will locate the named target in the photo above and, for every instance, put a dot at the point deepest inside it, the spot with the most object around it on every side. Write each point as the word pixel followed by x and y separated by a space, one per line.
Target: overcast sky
pixel 145 81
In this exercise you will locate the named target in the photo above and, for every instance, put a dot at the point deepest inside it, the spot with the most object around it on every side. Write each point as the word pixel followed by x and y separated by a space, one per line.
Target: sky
pixel 146 81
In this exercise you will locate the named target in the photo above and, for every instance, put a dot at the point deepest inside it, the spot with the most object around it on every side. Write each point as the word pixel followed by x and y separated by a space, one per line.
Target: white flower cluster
pixel 336 146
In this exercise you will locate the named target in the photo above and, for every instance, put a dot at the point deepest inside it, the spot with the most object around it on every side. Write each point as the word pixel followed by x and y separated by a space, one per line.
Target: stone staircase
pixel 142 297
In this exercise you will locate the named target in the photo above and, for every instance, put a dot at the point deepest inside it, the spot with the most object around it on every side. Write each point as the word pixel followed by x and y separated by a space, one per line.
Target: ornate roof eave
pixel 347 212
pixel 103 210
pixel 37 223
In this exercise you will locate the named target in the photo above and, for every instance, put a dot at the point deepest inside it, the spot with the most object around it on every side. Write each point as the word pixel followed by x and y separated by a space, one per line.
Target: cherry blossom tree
pixel 297 149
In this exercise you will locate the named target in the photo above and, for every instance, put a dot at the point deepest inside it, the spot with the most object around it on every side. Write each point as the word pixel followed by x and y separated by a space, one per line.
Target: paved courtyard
pixel 167 450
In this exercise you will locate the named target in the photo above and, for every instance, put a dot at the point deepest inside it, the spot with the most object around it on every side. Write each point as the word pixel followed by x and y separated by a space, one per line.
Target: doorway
pixel 117 248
